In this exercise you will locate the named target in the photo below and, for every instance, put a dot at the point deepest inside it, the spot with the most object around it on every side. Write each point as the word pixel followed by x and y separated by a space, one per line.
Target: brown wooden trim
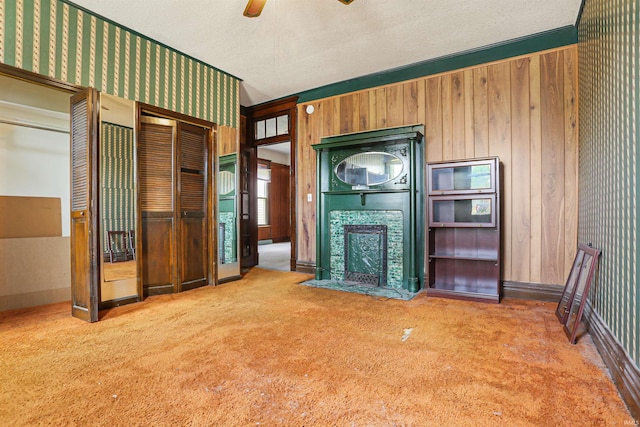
pixel 105 305
pixel 41 79
pixel 229 279
pixel 304 267
pixel 158 111
pixel 293 185
pixel 272 108
pixel 624 372
pixel 531 291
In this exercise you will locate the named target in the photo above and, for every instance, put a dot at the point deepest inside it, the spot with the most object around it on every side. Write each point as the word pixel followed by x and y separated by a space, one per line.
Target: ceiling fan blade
pixel 346 1
pixel 254 8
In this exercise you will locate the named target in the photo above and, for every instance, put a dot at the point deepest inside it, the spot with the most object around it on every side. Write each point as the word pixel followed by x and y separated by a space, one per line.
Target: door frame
pixel 272 110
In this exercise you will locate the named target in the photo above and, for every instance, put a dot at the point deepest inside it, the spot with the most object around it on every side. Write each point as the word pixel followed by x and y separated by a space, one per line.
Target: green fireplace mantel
pixel 371 182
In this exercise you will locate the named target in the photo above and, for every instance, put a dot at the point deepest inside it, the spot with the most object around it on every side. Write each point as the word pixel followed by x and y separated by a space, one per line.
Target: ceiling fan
pixel 254 7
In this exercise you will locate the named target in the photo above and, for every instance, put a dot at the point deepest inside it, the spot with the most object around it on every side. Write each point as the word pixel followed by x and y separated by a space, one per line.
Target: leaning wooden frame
pixel 576 290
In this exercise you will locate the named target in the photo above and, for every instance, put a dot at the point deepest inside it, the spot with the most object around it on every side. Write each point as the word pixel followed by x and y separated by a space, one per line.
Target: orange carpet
pixel 267 351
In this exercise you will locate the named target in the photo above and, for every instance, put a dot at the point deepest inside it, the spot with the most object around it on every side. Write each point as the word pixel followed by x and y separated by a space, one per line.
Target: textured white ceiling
pixel 297 45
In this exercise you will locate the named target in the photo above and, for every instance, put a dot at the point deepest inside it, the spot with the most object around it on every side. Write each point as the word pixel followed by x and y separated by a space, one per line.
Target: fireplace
pixel 370 212
pixel 365 254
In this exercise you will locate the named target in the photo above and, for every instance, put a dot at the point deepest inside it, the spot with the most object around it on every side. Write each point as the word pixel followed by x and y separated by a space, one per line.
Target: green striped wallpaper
pixel 116 180
pixel 608 50
pixel 59 40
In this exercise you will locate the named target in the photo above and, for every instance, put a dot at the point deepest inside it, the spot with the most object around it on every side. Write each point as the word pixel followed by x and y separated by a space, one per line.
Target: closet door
pixel 84 195
pixel 156 142
pixel 193 230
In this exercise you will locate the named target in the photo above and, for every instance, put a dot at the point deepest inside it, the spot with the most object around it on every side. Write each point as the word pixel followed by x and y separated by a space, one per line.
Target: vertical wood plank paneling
pixel 348 116
pixel 535 135
pixel 520 174
pixel 447 118
pixel 433 120
pixel 457 116
pixel 421 106
pixel 335 116
pixel 227 140
pixel 552 119
pixel 373 109
pixel 480 112
pixel 469 129
pixel 381 108
pixel 410 102
pixel 363 106
pixel 570 85
pixel 395 105
pixel 308 132
pixel 499 107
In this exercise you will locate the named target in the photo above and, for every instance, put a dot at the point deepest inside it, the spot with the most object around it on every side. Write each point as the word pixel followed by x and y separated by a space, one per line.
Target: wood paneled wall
pixel 523 110
pixel 227 139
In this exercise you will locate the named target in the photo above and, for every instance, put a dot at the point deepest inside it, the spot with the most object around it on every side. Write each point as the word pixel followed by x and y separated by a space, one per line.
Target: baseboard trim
pixel 105 305
pixel 229 279
pixel 306 267
pixel 625 374
pixel 531 291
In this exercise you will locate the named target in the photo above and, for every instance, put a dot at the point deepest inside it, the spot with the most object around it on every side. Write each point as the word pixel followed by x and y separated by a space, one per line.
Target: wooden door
pixel 156 153
pixel 248 208
pixel 279 199
pixel 85 290
pixel 193 230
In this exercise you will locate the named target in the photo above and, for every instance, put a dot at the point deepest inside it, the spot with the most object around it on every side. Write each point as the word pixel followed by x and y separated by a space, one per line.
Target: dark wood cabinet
pixel 464 229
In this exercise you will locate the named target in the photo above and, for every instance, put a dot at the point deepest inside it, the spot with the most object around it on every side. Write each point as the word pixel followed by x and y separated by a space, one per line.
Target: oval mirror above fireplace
pixel 371 168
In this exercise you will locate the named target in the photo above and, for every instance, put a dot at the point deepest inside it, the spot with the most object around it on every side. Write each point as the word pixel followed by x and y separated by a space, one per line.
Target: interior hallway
pixel 275 256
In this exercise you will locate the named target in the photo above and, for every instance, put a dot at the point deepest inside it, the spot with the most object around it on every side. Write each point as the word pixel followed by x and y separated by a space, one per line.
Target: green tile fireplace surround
pixel 370 212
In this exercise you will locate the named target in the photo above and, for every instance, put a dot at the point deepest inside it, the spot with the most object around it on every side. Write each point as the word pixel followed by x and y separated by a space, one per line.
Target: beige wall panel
pixel 35 271
pixel 30 217
pixel 512 109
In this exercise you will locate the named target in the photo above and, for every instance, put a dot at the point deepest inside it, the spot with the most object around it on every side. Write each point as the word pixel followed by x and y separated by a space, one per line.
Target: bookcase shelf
pixel 464 229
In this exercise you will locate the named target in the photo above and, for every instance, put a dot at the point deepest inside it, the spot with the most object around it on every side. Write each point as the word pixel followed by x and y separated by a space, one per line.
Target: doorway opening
pixel 274 206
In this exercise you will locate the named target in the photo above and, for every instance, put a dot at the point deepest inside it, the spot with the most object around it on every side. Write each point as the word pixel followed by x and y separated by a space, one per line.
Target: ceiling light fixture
pixel 254 7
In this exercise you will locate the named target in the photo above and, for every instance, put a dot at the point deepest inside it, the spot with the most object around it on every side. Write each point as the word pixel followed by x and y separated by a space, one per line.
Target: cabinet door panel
pixel 193 205
pixel 157 253
pixel 84 193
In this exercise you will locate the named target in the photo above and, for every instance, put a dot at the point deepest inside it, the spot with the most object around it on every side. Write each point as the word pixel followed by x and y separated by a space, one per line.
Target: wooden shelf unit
pixel 464 229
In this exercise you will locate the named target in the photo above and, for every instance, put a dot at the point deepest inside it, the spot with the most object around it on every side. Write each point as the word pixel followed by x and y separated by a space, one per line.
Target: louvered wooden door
pixel 84 195
pixel 157 184
pixel 193 206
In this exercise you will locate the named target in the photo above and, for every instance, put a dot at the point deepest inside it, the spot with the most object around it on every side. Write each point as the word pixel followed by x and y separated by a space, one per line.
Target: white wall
pixel 34 142
pixel 35 163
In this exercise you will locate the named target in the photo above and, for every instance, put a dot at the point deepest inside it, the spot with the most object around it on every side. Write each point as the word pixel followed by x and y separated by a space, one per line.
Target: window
pixel 272 127
pixel 264 178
